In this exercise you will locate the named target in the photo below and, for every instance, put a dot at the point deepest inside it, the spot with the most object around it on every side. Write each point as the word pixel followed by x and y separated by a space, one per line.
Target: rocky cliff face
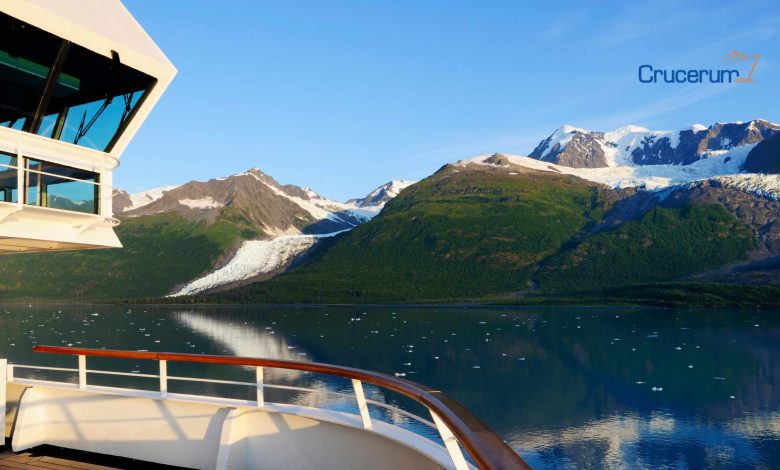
pixel 765 157
pixel 581 150
pixel 121 200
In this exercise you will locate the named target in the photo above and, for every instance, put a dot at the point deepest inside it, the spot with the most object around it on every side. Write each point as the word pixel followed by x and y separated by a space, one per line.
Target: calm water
pixel 596 388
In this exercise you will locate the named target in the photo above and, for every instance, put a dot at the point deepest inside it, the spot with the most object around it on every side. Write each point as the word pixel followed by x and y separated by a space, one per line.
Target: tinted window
pixel 26 56
pixel 8 182
pixel 96 100
pixel 90 100
pixel 61 187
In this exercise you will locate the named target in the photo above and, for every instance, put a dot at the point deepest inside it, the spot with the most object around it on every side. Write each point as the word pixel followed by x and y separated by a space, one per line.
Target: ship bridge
pixel 77 80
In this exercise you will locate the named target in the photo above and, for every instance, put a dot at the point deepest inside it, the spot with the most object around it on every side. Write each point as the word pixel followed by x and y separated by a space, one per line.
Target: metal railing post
pixel 82 372
pixel 260 386
pixel 450 442
pixel 163 379
pixel 361 402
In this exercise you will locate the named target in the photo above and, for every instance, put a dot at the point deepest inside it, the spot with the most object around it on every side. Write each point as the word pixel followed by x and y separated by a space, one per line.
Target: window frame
pixel 41 195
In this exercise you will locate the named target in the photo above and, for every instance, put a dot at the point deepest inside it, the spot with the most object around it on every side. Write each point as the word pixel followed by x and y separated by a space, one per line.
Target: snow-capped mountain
pixel 261 202
pixel 381 195
pixel 633 145
pixel 289 220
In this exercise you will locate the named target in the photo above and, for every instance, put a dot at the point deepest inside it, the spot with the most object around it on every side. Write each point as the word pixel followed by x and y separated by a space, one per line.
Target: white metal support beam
pixel 260 387
pixel 361 401
pixel 450 442
pixel 83 372
pixel 163 379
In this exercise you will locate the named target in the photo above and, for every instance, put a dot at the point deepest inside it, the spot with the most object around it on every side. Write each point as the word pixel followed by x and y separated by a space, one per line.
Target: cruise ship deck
pixel 47 457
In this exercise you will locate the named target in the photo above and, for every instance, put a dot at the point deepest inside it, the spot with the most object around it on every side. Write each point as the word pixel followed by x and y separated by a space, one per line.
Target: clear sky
pixel 344 96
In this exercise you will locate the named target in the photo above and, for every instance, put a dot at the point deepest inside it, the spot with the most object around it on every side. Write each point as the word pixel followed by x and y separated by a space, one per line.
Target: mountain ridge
pixel 634 145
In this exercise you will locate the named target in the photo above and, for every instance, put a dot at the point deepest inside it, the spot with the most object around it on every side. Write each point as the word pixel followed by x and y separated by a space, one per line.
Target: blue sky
pixel 344 96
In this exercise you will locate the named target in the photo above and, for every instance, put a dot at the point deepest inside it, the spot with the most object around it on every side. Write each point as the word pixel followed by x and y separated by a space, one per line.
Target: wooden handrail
pixel 484 446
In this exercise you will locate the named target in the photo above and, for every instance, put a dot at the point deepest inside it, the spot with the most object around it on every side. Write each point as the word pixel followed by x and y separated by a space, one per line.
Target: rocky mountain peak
pixel 571 146
pixel 251 199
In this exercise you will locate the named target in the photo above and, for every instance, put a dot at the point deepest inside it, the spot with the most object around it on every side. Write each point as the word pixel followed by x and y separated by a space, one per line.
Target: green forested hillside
pixel 664 244
pixel 481 233
pixel 455 235
pixel 467 233
pixel 160 251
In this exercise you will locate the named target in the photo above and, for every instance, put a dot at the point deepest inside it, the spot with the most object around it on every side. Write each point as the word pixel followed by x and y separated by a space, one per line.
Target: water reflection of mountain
pixel 244 340
pixel 238 336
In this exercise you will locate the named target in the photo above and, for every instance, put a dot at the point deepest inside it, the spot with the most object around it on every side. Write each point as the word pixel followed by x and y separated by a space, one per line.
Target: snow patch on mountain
pixel 253 258
pixel 376 199
pixel 767 186
pixel 203 203
pixel 147 197
pixel 619 144
pixel 393 188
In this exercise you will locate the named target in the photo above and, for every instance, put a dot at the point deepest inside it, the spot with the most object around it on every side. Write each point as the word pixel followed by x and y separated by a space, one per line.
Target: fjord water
pixel 589 387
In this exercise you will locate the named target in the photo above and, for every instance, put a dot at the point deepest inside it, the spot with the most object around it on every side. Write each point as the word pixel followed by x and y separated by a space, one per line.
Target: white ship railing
pixel 456 426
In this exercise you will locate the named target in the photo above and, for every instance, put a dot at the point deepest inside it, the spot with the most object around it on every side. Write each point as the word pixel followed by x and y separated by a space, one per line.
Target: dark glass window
pixel 61 187
pixel 8 182
pixel 93 105
pixel 26 56
pixel 88 103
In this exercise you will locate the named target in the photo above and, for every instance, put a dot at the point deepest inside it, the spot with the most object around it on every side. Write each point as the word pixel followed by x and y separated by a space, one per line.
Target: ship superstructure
pixel 77 80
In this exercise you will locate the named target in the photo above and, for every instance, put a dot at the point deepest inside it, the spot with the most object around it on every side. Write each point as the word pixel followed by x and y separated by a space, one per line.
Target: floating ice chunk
pixel 657 389
pixel 690 366
pixel 678 348
pixel 719 378
pixel 732 397
pixel 476 367
pixel 400 374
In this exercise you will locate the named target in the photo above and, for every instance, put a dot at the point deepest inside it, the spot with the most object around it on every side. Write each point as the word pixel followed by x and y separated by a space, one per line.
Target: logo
pixel 735 56
pixel 649 74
